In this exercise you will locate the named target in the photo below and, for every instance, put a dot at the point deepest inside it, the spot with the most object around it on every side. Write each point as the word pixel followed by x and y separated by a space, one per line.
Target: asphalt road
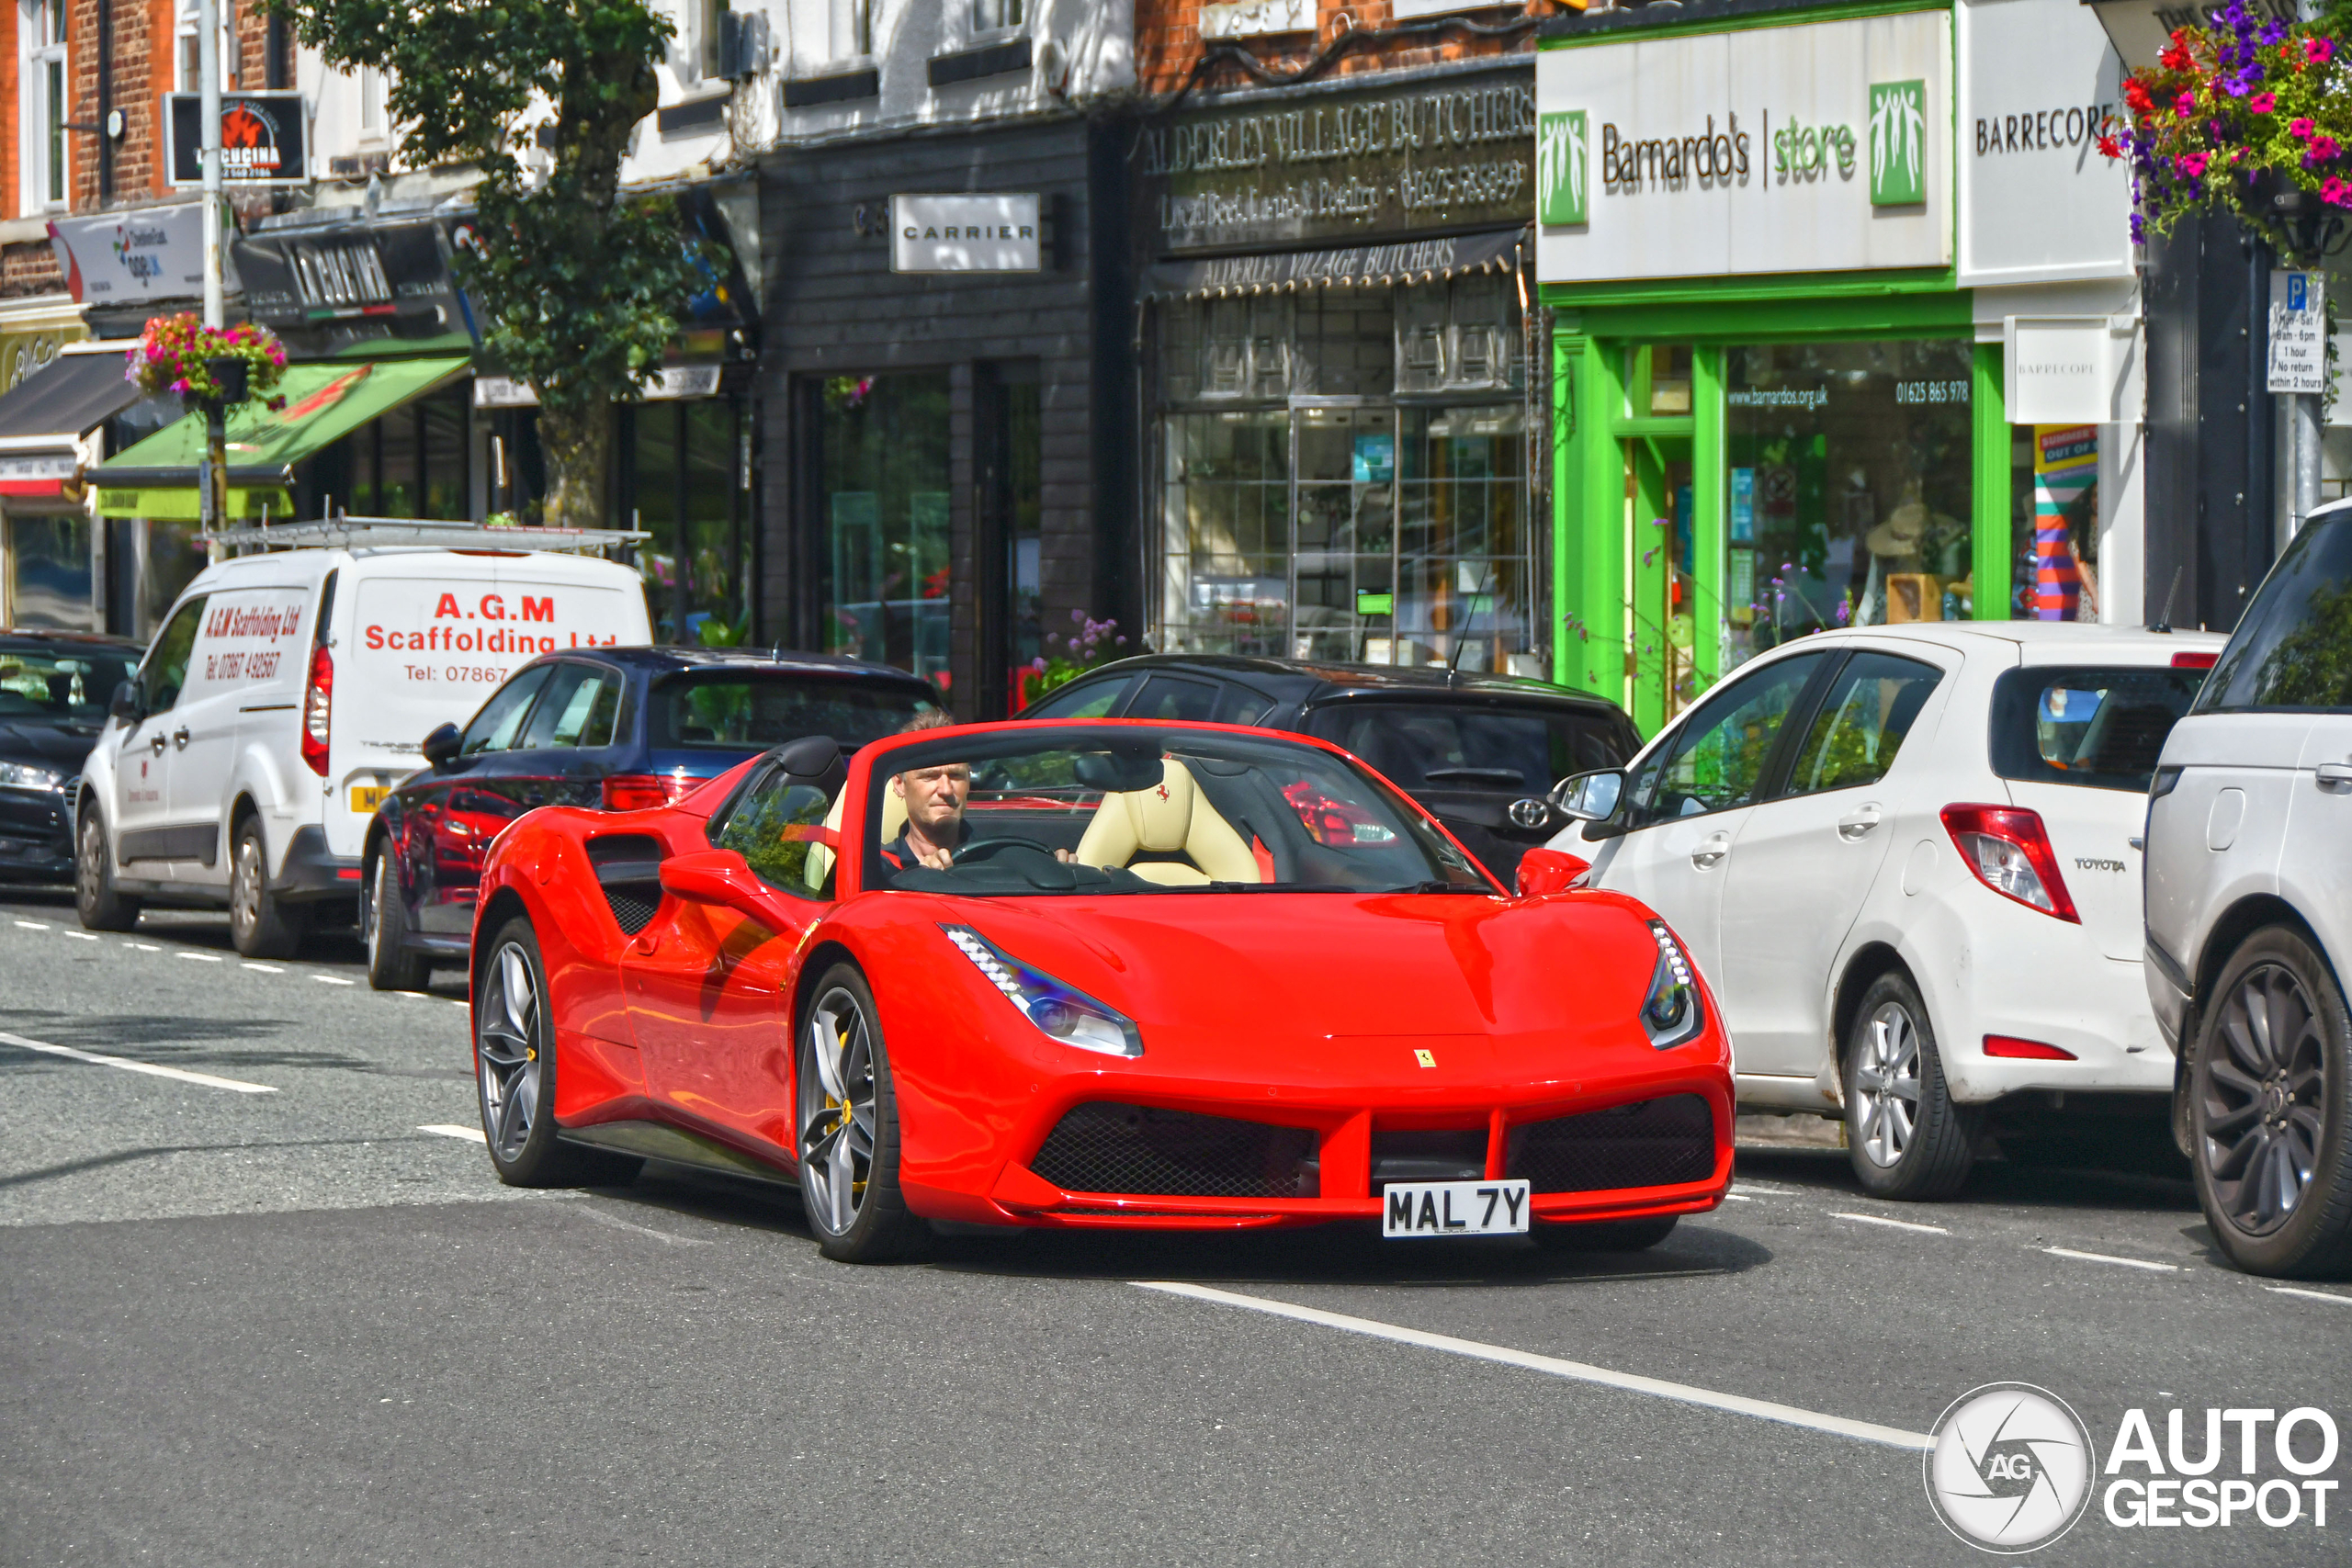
pixel 297 1327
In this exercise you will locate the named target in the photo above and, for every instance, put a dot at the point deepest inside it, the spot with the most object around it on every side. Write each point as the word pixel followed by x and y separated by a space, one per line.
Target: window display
pixel 881 507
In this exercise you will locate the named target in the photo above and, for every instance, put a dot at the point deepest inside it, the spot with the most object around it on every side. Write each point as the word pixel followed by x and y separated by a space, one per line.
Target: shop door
pixel 1662 579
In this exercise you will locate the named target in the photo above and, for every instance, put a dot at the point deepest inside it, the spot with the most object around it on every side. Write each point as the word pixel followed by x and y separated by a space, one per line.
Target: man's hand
pixel 935 858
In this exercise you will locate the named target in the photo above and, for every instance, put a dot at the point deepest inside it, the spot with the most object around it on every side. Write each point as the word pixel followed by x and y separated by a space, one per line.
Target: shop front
pixel 1340 456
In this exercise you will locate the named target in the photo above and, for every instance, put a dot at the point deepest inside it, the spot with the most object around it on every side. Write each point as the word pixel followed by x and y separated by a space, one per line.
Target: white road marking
pixel 619 1223
pixel 2309 1295
pixel 82 936
pixel 1898 1225
pixel 1580 1372
pixel 333 980
pixel 207 1079
pixel 2108 1257
pixel 1739 1197
pixel 200 957
pixel 31 926
pixel 451 1130
pixel 143 947
pixel 264 968
pixel 1770 1191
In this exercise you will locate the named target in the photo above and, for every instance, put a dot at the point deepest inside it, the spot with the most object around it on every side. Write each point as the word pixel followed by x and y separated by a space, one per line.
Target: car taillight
pixel 642 792
pixel 318 711
pixel 2009 851
pixel 2195 660
pixel 2032 1050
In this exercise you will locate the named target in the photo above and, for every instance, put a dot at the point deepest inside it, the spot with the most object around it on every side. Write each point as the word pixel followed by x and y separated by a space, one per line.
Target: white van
pixel 285 694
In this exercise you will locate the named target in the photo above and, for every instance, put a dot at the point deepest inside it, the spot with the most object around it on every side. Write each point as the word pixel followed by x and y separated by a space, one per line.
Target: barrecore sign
pixel 1822 147
pixel 1344 168
pixel 964 234
pixel 2039 85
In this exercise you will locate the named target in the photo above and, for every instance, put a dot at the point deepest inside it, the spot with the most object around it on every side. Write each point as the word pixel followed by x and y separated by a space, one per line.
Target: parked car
pixel 611 729
pixel 1481 752
pixel 54 687
pixel 1034 1015
pixel 285 694
pixel 1907 857
pixel 2249 917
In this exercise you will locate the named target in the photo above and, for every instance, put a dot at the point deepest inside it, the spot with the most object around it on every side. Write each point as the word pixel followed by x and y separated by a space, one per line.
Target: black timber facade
pixel 835 309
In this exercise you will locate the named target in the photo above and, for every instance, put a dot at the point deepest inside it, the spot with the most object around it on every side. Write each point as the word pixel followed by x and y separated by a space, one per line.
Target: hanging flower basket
pixel 180 354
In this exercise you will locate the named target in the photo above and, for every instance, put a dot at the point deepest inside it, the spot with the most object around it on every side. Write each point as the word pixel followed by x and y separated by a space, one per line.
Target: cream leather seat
pixel 894 821
pixel 1171 818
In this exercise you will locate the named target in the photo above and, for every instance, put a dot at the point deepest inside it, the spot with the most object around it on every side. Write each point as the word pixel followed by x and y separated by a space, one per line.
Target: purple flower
pixel 1038 664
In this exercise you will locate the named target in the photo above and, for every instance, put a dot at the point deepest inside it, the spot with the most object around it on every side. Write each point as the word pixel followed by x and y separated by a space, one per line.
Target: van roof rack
pixel 392 532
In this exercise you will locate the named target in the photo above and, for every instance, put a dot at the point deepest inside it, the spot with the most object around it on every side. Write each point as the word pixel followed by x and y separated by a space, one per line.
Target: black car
pixel 611 728
pixel 1480 752
pixel 54 692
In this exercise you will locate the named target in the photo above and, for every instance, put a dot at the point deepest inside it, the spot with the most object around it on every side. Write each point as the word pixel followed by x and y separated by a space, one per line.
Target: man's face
pixel 934 798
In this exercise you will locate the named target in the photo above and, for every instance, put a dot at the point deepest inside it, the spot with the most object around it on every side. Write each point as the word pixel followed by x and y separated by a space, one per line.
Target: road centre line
pixel 333 980
pixel 143 947
pixel 31 926
pixel 2110 1258
pixel 1577 1372
pixel 200 957
pixel 1880 1220
pixel 2309 1295
pixel 264 968
pixel 451 1130
pixel 1739 1198
pixel 181 1074
pixel 83 936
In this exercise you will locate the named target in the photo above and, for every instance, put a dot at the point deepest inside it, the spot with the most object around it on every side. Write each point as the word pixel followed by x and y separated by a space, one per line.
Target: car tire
pixel 514 1071
pixel 847 1121
pixel 94 899
pixel 1607 1235
pixel 383 927
pixel 261 925
pixel 2271 1111
pixel 1907 1139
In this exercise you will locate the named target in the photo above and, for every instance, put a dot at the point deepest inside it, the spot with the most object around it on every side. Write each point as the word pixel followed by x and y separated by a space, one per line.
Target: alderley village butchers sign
pixel 1447 158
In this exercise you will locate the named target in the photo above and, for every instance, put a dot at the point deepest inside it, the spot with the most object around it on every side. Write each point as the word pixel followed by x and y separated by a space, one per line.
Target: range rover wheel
pixel 1906 1138
pixel 383 924
pixel 849 1128
pixel 514 1067
pixel 260 924
pixel 94 898
pixel 2271 1112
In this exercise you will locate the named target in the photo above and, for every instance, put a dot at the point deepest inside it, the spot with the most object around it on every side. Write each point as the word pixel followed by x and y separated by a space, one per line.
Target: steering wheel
pixel 988 849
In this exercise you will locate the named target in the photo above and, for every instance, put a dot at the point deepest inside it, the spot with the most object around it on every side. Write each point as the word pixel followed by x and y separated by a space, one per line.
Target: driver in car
pixel 935 799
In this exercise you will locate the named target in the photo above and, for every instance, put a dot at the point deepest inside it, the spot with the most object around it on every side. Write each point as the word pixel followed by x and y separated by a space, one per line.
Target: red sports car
pixel 1107 973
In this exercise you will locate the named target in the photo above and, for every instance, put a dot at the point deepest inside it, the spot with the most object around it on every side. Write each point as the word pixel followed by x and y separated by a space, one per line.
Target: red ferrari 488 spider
pixel 1109 973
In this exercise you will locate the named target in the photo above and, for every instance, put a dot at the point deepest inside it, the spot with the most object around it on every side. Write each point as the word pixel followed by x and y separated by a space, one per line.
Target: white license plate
pixel 1453 1208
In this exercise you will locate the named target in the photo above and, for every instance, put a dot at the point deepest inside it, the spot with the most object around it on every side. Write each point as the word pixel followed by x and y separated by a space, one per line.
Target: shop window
pixel 1462 336
pixel 880 498
pixel 683 483
pixel 1346 530
pixel 1463 565
pixel 1245 351
pixel 2053 509
pixel 1342 343
pixel 49 582
pixel 1668 394
pixel 1024 515
pixel 1226 505
pixel 989 15
pixel 1851 488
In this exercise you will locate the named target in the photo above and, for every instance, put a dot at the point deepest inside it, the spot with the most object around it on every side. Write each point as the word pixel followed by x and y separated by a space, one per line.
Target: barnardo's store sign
pixel 1821 148
pixel 1343 167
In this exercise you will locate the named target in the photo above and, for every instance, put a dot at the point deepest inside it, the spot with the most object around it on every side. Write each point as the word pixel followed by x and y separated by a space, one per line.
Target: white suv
pixel 2250 917
pixel 285 694
pixel 1907 857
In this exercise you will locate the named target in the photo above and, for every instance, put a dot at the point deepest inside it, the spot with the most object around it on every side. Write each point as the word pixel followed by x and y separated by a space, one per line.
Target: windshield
pixel 1126 808
pixel 1422 745
pixel 58 686
pixel 2103 728
pixel 747 710
pixel 2293 648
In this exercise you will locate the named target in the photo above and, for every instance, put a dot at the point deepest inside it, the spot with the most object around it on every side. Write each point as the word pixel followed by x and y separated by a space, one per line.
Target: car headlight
pixel 23 775
pixel 1066 1014
pixel 1672 1014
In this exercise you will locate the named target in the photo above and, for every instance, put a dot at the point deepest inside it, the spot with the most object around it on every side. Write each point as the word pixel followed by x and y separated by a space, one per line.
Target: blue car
pixel 610 729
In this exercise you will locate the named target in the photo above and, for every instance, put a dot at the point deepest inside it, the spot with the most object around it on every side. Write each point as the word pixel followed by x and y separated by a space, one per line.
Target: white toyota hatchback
pixel 1908 859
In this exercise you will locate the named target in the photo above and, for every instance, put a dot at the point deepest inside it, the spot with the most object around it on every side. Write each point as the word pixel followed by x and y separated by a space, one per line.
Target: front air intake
pixel 1651 1142
pixel 1139 1149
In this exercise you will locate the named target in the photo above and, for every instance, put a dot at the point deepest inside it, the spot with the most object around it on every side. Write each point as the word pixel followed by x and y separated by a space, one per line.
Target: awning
pixel 1414 261
pixel 44 417
pixel 323 403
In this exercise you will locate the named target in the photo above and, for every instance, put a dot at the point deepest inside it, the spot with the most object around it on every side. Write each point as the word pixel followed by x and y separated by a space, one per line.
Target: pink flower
pixel 2302 128
pixel 2184 104
pixel 2318 49
pixel 2192 166
pixel 2324 147
pixel 2263 102
pixel 2336 192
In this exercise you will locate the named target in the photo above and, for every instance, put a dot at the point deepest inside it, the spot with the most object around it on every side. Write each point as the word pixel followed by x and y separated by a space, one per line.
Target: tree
pixel 576 286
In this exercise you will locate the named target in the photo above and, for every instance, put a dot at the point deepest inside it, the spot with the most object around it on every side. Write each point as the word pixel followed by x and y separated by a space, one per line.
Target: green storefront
pixel 1772 412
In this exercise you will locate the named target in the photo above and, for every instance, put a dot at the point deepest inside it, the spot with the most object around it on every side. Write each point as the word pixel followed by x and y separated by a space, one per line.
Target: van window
pixel 165 671
pixel 577 710
pixel 501 720
pixel 2102 728
pixel 2294 650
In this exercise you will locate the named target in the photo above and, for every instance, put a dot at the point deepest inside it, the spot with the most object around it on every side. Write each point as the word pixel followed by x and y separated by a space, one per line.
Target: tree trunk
pixel 575 442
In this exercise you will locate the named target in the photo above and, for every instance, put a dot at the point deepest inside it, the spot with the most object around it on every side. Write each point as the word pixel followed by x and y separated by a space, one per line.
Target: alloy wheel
pixel 244 886
pixel 367 911
pixel 507 1044
pixel 837 1112
pixel 1887 1079
pixel 2262 1109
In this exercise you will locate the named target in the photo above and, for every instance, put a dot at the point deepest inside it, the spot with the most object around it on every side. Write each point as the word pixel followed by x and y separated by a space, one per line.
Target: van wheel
pixel 94 898
pixel 383 922
pixel 260 925
pixel 1906 1138
pixel 2271 1111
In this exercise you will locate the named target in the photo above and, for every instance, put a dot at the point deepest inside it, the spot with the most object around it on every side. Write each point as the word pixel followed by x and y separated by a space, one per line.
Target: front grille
pixel 1652 1143
pixel 1136 1148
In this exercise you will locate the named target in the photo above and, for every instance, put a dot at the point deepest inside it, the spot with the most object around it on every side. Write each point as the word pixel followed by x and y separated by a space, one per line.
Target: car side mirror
pixel 717 877
pixel 125 704
pixel 1592 798
pixel 1542 870
pixel 441 746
